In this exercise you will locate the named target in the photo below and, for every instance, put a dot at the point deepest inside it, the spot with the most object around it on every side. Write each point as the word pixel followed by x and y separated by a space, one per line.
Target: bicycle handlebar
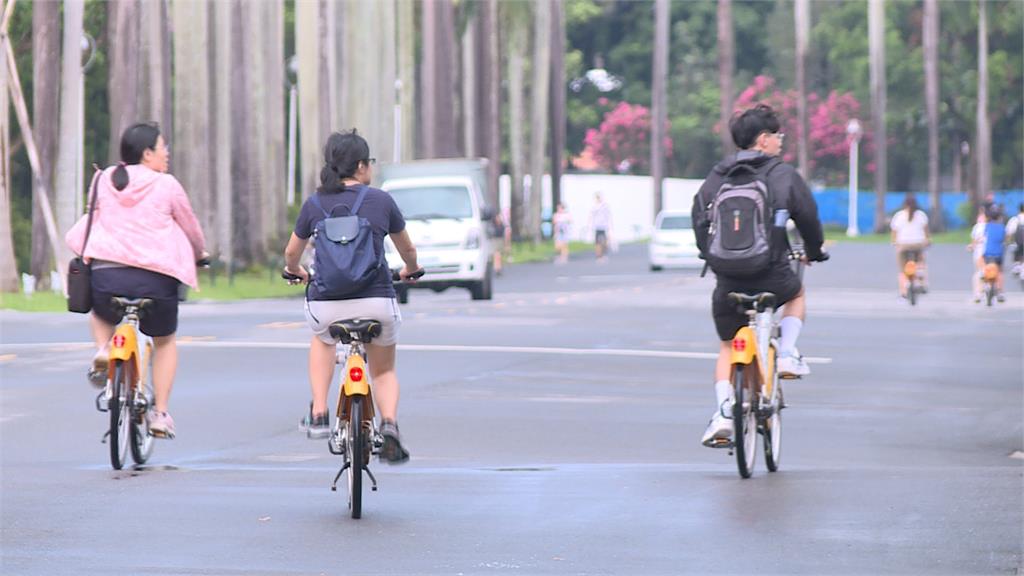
pixel 395 277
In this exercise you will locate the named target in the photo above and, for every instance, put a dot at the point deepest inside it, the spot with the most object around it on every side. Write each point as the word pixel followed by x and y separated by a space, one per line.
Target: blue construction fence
pixel 833 206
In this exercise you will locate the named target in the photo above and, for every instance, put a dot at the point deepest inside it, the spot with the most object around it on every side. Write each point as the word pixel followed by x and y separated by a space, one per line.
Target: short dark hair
pixel 342 154
pixel 747 125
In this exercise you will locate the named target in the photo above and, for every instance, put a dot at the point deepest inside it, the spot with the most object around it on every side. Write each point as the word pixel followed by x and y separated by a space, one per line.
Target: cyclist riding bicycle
pixel 756 133
pixel 995 246
pixel 144 242
pixel 910 235
pixel 344 179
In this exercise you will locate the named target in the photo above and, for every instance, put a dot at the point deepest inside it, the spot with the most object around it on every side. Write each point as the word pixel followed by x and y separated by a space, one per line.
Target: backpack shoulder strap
pixel 315 199
pixel 363 189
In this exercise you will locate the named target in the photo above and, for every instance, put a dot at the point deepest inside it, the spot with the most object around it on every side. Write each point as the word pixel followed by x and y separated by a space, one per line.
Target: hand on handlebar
pixel 297 276
pixel 409 276
pixel 204 260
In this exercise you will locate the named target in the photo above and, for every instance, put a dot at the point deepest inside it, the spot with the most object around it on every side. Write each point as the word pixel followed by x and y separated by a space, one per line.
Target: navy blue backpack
pixel 345 262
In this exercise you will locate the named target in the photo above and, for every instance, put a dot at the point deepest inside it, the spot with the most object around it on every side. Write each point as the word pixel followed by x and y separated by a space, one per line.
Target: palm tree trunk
pixel 558 86
pixel 983 145
pixel 275 225
pixel 307 47
pixel 469 82
pixel 153 98
pixel 517 39
pixel 67 191
pixel 123 24
pixel 493 97
pixel 726 71
pixel 931 97
pixel 802 15
pixel 45 104
pixel 8 264
pixel 406 34
pixel 659 96
pixel 540 86
pixel 191 130
pixel 223 152
pixel 876 49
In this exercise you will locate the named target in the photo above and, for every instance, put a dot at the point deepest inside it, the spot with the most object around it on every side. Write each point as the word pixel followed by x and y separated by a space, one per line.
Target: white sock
pixel 790 327
pixel 723 390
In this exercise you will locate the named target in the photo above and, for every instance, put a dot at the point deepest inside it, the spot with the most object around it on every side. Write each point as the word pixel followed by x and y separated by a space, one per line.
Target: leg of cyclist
pixel 322 357
pixel 793 314
pixel 385 391
pixel 165 365
pixel 901 278
pixel 102 332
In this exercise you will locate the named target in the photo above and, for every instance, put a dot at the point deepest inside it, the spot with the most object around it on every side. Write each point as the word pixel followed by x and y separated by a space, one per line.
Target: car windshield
pixel 676 223
pixel 426 203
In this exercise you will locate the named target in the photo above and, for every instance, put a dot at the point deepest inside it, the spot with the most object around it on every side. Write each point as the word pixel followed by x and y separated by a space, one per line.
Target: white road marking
pixel 621 352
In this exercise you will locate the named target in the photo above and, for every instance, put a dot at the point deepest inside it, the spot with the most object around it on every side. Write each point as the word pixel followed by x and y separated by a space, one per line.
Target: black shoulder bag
pixel 79 277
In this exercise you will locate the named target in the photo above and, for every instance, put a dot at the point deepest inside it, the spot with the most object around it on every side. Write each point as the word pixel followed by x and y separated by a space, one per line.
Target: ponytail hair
pixel 135 140
pixel 342 154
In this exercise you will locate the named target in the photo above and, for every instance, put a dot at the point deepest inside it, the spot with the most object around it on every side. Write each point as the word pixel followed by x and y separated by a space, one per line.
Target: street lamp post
pixel 88 53
pixel 853 130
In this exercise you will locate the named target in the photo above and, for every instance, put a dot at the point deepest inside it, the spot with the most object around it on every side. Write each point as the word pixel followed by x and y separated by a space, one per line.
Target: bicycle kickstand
pixel 373 480
pixel 334 485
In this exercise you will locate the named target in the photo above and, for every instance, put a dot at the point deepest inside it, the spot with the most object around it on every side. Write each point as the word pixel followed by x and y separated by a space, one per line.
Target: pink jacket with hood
pixel 148 225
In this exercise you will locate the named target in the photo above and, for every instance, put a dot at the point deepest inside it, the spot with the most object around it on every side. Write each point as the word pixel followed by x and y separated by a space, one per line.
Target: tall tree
pixel 406 37
pixel 67 190
pixel 154 98
pixel 983 144
pixel 540 93
pixel 491 116
pixel 930 39
pixel 876 53
pixel 273 160
pixel 438 131
pixel 558 97
pixel 223 152
pixel 123 25
pixel 516 25
pixel 307 49
pixel 45 104
pixel 247 132
pixel 726 72
pixel 192 132
pixel 659 96
pixel 8 266
pixel 802 15
pixel 469 52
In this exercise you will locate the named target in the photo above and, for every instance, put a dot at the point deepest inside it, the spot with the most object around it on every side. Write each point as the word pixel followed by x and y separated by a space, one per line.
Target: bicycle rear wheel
pixel 356 451
pixel 142 399
pixel 744 421
pixel 120 417
pixel 912 292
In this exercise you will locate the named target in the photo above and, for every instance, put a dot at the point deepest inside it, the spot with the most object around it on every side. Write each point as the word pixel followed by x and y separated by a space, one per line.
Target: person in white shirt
pixel 1015 234
pixel 977 248
pixel 601 224
pixel 910 234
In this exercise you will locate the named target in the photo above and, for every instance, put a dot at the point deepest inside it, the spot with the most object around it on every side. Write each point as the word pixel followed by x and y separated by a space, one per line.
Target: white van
pixel 447 221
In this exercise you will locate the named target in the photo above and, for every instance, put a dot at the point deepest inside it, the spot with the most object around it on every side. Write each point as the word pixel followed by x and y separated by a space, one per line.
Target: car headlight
pixel 473 239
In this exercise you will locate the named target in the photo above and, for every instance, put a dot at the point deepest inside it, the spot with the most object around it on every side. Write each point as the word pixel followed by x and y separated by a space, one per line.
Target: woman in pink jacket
pixel 145 241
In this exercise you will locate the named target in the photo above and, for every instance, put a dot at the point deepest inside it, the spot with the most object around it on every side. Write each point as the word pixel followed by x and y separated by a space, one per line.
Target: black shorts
pixel 159 320
pixel 779 280
pixel 601 238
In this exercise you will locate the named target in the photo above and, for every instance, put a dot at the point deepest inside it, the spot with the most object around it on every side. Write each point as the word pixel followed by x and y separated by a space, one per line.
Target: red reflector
pixel 739 345
pixel 118 341
pixel 356 374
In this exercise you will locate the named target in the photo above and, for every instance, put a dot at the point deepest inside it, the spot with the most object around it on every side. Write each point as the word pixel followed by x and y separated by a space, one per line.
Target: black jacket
pixel 787 189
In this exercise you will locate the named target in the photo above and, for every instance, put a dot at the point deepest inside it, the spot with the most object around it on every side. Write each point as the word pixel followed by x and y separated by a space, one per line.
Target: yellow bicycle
pixel 128 393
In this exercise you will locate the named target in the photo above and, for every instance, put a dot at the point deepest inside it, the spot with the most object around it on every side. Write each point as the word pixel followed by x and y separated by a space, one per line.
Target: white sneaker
pixel 793 366
pixel 718 433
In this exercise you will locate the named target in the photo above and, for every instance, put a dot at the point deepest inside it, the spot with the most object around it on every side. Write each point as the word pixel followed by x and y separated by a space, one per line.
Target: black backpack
pixel 740 223
pixel 346 262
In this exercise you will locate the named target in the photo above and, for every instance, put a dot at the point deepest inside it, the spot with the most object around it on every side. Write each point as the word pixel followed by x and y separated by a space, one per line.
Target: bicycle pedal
pixel 720 443
pixel 789 377
pixel 164 435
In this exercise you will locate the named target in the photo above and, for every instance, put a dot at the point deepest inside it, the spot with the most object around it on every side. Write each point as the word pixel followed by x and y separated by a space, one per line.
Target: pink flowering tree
pixel 828 141
pixel 623 141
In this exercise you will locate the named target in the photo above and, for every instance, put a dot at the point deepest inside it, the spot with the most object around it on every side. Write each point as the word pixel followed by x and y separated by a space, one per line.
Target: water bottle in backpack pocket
pixel 346 261
pixel 740 232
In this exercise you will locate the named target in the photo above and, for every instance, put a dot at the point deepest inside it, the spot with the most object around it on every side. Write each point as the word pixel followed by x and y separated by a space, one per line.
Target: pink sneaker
pixel 161 425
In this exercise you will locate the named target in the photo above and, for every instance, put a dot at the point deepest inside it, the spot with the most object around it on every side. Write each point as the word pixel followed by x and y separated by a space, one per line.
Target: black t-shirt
pixel 378 207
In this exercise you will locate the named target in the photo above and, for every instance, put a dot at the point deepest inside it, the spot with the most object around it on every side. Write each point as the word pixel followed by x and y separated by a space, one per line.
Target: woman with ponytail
pixel 347 172
pixel 144 243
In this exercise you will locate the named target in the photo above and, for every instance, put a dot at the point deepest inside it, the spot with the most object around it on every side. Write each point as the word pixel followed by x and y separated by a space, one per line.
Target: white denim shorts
pixel 322 313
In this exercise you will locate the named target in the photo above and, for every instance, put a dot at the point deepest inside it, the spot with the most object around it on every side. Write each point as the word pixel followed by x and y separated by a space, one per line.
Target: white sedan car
pixel 673 244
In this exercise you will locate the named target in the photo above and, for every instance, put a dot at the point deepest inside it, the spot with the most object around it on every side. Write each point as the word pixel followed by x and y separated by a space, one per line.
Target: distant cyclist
pixel 145 241
pixel 347 172
pixel 909 228
pixel 995 245
pixel 1015 233
pixel 756 133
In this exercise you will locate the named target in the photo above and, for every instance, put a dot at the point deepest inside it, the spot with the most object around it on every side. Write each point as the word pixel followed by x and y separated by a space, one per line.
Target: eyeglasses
pixel 781 135
pixel 370 161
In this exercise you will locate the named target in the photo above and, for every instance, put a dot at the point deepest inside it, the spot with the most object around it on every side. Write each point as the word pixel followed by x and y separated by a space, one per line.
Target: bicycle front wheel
pixel 912 292
pixel 772 426
pixel 356 451
pixel 744 421
pixel 142 399
pixel 120 418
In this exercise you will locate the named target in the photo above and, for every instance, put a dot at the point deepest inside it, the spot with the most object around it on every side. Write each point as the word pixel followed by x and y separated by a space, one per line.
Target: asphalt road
pixel 554 430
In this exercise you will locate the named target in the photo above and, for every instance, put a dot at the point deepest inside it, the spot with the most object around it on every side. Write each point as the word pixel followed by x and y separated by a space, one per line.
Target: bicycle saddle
pixel 140 303
pixel 355 329
pixel 760 301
